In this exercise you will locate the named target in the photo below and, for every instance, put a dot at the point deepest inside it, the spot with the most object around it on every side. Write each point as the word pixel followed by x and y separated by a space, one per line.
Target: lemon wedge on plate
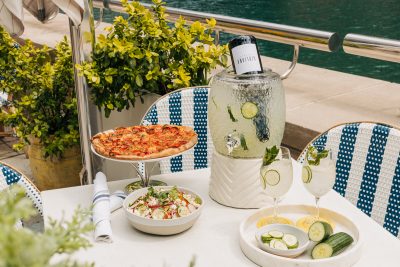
pixel 272 220
pixel 305 222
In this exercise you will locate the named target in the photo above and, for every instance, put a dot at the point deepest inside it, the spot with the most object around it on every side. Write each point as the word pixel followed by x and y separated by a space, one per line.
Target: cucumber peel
pixel 243 142
pixel 233 119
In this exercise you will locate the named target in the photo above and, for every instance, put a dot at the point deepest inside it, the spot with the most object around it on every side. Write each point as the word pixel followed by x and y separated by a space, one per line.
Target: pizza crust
pixel 168 152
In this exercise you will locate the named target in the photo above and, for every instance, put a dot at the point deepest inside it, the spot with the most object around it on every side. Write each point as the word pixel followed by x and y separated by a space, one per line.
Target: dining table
pixel 214 238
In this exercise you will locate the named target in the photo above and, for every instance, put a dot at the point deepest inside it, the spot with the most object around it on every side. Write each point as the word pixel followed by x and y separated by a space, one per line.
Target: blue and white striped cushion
pixel 184 107
pixel 367 169
pixel 9 176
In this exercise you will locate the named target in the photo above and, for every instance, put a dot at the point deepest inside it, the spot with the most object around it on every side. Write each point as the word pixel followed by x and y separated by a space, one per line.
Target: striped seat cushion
pixel 9 176
pixel 367 169
pixel 187 107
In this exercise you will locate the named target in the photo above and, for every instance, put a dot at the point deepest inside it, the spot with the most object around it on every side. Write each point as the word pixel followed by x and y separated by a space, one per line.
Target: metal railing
pixel 356 44
pixel 296 36
pixel 373 47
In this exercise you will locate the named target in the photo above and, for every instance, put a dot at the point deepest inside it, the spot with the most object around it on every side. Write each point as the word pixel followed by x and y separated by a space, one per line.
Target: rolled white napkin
pixel 103 205
pixel 101 209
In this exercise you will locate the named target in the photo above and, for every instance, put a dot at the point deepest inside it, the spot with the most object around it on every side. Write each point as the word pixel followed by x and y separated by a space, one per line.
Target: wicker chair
pixel 187 106
pixel 9 176
pixel 367 168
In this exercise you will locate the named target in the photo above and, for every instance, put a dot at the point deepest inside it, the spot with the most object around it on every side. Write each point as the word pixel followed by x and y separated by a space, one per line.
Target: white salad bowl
pixel 302 238
pixel 165 226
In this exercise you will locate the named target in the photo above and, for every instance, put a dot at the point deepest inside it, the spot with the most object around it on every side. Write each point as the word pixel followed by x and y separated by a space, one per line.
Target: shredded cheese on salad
pixel 162 204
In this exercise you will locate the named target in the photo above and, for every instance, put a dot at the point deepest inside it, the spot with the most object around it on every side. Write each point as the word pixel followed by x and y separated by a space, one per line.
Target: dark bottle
pixel 245 56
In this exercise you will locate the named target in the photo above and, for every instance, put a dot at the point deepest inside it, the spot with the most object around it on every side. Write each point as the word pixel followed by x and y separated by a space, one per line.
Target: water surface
pixel 369 17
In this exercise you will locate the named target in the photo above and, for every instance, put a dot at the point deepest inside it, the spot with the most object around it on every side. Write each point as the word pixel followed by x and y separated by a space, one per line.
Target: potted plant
pixel 144 54
pixel 44 108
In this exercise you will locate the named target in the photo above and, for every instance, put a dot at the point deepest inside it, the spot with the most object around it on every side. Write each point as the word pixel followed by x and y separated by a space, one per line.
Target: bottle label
pixel 245 58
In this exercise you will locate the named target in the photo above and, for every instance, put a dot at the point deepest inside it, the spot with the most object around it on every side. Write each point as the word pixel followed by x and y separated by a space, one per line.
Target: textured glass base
pixel 139 184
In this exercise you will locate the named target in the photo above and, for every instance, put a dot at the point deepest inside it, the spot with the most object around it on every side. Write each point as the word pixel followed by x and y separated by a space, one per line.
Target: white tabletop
pixel 214 239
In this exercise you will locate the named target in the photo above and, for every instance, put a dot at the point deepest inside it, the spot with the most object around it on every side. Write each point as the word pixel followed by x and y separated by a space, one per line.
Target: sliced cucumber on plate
pixel 279 244
pixel 319 231
pixel 332 246
pixel 290 241
pixel 280 240
pixel 276 234
pixel 266 238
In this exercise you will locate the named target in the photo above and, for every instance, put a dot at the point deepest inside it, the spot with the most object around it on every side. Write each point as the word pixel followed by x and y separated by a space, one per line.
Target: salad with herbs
pixel 163 204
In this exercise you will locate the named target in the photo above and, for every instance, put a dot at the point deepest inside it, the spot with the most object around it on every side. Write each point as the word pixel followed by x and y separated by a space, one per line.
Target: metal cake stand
pixel 144 175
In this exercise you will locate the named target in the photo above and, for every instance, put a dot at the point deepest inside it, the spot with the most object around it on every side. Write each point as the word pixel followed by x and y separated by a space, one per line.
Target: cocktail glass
pixel 276 177
pixel 318 175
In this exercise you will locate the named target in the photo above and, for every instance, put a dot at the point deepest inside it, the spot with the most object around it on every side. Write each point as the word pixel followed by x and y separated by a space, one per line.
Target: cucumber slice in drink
pixel 249 110
pixel 306 174
pixel 263 172
pixel 279 244
pixel 290 241
pixel 275 234
pixel 271 177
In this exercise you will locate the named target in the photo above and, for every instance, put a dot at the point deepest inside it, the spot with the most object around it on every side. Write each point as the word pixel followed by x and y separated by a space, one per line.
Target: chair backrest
pixel 187 106
pixel 367 168
pixel 9 176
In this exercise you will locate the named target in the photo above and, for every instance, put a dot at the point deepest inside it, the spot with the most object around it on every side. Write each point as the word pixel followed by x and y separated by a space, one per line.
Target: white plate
pixel 251 249
pixel 142 160
pixel 160 227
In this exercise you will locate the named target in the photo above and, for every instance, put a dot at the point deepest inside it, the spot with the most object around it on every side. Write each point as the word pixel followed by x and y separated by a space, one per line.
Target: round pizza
pixel 144 142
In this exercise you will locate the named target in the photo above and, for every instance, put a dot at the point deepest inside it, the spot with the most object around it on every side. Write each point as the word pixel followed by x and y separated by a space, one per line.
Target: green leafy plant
pixel 23 247
pixel 314 156
pixel 270 155
pixel 143 53
pixel 43 95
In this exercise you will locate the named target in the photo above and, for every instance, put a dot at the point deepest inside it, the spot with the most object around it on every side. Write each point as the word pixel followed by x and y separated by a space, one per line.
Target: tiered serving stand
pixel 144 173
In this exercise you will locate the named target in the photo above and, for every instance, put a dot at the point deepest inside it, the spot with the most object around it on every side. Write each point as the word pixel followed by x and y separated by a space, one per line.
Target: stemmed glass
pixel 318 175
pixel 276 177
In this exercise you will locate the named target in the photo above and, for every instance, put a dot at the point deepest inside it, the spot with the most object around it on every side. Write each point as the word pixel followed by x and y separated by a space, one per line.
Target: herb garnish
pixel 231 115
pixel 243 142
pixel 270 155
pixel 314 156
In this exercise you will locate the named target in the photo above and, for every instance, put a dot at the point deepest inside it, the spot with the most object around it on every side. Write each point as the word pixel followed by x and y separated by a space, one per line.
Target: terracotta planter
pixel 52 172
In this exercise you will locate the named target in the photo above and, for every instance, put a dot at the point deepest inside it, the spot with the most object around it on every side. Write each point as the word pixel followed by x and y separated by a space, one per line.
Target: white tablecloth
pixel 214 239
